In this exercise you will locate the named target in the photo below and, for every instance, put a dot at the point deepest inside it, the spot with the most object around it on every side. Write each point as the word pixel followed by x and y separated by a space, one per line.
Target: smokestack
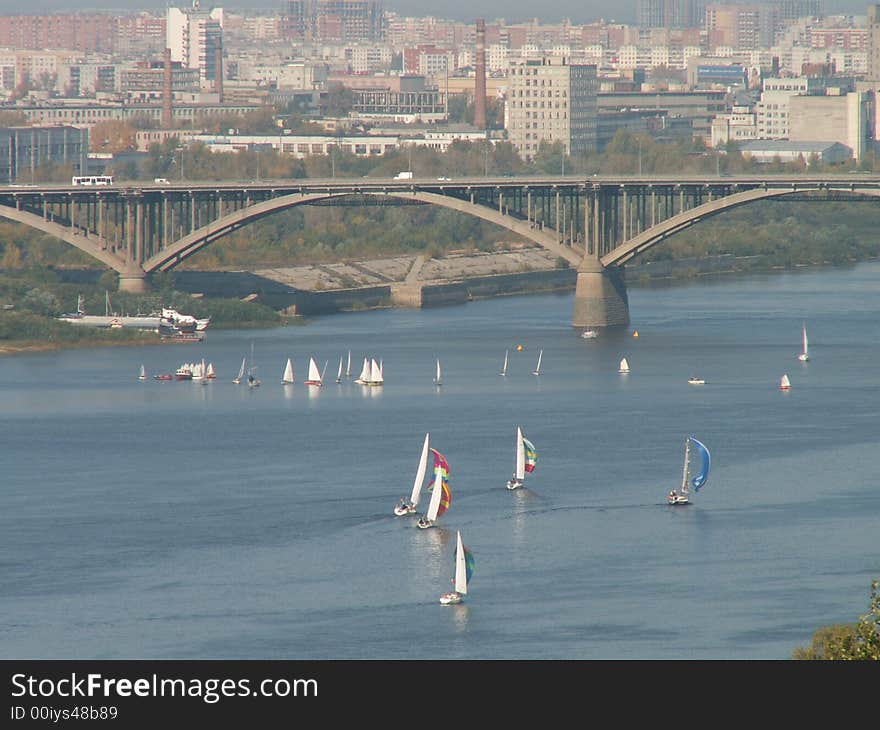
pixel 480 81
pixel 167 122
pixel 218 73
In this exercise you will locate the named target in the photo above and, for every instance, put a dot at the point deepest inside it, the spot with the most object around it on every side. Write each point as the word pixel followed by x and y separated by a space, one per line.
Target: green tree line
pixel 855 641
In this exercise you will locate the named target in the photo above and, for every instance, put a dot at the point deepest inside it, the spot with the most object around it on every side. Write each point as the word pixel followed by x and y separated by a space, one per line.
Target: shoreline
pixel 456 291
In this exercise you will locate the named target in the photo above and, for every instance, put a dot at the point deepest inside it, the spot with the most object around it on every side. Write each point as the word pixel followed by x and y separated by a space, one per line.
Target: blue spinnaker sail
pixel 699 479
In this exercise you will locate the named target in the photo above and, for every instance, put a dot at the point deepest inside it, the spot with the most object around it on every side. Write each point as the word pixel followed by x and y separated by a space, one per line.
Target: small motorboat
pixel 696 381
pixel 163 376
pixel 589 334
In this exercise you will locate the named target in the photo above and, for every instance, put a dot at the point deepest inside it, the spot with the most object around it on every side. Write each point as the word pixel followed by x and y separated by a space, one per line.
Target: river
pixel 179 520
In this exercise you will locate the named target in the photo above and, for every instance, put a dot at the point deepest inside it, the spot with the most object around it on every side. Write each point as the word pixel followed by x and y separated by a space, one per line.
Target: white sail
pixel 537 370
pixel 420 474
pixel 436 493
pixel 143 373
pixel 805 354
pixel 314 373
pixel 437 379
pixel 684 471
pixel 210 373
pixel 348 367
pixel 460 567
pixel 339 372
pixel 784 382
pixel 504 367
pixel 520 455
pixel 624 366
pixel 288 373
pixel 376 373
pixel 241 370
pixel 364 377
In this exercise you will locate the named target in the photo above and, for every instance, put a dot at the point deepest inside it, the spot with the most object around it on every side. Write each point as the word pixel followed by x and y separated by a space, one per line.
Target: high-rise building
pixel 194 36
pixel 741 27
pixel 551 100
pixel 874 42
pixel 669 13
pixel 345 21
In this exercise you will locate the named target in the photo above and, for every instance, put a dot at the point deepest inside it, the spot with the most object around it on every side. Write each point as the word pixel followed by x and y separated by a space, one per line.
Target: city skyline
pixel 578 11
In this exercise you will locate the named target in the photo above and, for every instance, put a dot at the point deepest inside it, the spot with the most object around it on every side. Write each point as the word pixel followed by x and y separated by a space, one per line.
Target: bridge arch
pixel 92 245
pixel 661 231
pixel 193 242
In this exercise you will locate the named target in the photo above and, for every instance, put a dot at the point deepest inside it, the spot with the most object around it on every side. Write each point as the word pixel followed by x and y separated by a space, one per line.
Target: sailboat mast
pixel 684 472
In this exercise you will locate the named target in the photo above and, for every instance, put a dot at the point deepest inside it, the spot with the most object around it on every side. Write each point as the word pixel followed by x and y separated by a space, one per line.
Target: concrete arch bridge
pixel 596 224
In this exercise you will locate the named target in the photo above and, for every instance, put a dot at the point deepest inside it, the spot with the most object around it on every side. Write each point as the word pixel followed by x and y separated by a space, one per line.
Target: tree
pixel 112 135
pixel 858 641
pixel 338 101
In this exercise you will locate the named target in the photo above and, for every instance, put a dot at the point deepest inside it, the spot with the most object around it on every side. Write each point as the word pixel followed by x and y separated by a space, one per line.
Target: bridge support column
pixel 133 281
pixel 600 298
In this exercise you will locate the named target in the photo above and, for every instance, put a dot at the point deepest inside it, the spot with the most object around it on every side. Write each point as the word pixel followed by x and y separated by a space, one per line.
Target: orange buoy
pixel 519 348
pixel 636 333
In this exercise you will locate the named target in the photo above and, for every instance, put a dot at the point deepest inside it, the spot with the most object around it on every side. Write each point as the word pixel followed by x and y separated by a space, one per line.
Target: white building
pixel 195 36
pixel 300 145
pixel 551 100
pixel 738 126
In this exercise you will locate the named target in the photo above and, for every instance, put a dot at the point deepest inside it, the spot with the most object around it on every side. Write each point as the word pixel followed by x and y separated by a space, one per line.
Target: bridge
pixel 596 224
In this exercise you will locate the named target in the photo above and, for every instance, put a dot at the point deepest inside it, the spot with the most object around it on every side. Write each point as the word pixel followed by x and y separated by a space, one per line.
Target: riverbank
pixel 419 281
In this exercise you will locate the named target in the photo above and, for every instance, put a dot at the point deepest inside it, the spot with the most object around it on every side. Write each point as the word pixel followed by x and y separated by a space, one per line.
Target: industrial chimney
pixel 480 81
pixel 167 122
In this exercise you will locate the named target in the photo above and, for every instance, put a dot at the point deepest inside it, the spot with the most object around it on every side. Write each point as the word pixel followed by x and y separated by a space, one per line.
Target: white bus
pixel 92 180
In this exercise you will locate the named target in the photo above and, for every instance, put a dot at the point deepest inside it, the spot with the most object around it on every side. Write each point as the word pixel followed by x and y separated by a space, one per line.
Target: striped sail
pixel 531 455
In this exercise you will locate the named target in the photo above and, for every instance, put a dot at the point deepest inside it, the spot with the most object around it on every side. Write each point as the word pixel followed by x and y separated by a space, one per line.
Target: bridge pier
pixel 600 298
pixel 136 283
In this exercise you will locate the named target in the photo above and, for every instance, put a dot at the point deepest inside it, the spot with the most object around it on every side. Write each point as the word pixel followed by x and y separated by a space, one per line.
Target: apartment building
pixel 551 100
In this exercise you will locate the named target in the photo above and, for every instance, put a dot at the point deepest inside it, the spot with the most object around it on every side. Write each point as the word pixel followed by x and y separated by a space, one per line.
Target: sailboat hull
pixel 677 500
pixel 407 510
pixel 450 599
pixel 514 483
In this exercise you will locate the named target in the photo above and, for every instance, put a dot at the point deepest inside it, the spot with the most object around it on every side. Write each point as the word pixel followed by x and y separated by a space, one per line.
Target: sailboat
pixel 784 382
pixel 348 367
pixel 805 354
pixel 526 459
pixel 504 367
pixel 441 497
pixel 437 379
pixel 287 377
pixel 252 380
pixel 464 569
pixel 689 480
pixel 314 374
pixel 366 372
pixel 237 379
pixel 376 376
pixel 537 370
pixel 339 372
pixel 624 366
pixel 209 373
pixel 407 508
pixel 143 373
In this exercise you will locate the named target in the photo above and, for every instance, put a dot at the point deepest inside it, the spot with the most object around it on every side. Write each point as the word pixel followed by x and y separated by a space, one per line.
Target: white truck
pixel 404 175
